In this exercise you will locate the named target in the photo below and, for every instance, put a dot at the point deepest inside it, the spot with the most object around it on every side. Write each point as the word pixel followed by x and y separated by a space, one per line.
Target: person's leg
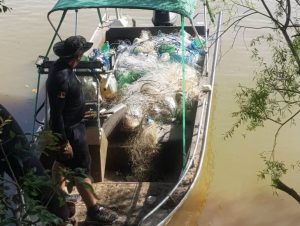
pixel 87 195
pixel 57 177
pixel 82 160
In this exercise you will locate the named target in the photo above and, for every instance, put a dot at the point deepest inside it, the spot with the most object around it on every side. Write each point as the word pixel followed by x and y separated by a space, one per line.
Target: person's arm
pixel 57 92
pixel 57 89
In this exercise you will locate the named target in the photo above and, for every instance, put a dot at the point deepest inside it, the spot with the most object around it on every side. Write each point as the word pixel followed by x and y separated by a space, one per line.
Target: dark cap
pixel 72 46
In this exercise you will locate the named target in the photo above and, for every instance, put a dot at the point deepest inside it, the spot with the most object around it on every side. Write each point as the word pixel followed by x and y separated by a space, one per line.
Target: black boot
pixel 101 214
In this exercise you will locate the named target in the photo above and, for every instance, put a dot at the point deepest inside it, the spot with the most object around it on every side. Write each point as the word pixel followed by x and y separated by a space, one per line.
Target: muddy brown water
pixel 228 192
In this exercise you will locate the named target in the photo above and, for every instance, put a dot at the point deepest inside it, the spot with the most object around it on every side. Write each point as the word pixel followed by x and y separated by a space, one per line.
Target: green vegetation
pixel 24 200
pixel 26 195
pixel 22 206
pixel 276 95
pixel 3 7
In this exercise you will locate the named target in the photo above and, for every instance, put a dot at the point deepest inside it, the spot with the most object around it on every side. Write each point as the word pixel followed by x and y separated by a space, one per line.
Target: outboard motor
pixel 164 18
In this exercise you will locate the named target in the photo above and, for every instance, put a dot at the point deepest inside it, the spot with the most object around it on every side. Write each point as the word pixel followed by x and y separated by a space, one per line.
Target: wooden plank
pixel 114 116
pixel 98 144
pixel 103 152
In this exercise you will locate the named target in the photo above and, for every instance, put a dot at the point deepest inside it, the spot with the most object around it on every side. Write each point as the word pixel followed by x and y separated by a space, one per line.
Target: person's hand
pixel 65 152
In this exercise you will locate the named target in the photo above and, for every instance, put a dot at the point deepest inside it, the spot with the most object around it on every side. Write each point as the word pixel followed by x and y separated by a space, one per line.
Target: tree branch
pixel 283 187
pixel 278 130
pixel 286 90
pixel 288 14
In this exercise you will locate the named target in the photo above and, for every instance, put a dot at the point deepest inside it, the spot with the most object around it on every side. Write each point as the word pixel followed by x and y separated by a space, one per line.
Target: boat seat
pixel 97 139
pixel 84 68
pixel 112 117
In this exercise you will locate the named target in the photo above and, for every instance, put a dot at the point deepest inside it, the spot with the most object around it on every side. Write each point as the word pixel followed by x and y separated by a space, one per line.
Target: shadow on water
pixel 196 202
pixel 21 109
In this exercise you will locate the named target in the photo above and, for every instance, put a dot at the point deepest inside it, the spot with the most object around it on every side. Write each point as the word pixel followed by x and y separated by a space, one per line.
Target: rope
pixel 183 94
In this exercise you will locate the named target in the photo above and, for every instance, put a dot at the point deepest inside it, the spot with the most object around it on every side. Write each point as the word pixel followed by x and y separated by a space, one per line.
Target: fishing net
pixel 149 82
pixel 157 95
pixel 144 148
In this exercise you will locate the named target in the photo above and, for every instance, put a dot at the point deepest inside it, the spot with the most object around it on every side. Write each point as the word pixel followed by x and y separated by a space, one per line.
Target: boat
pixel 141 195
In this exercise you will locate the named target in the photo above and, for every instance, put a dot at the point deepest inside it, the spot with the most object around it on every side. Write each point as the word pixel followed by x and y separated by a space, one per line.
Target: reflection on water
pixel 196 202
pixel 228 192
pixel 260 209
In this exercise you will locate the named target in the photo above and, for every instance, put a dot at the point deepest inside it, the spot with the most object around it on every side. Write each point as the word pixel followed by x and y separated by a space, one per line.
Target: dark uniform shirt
pixel 65 97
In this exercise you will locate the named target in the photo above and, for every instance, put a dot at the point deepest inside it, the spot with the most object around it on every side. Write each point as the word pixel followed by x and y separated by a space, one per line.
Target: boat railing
pixel 201 125
pixel 182 175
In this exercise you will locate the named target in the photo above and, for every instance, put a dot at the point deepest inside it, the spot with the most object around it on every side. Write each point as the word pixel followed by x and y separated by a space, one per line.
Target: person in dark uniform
pixel 66 114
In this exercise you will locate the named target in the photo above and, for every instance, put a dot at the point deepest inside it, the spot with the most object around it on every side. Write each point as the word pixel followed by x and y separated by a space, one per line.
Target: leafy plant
pixel 24 206
pixel 274 169
pixel 3 7
pixel 275 97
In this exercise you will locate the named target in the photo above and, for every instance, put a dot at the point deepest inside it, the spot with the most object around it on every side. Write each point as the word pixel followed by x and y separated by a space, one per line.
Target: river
pixel 229 192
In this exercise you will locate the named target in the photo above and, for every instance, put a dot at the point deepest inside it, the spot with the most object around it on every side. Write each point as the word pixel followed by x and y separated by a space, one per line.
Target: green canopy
pixel 183 7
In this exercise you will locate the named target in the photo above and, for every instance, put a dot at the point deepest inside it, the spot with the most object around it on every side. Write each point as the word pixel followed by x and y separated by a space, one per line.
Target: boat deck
pixel 131 200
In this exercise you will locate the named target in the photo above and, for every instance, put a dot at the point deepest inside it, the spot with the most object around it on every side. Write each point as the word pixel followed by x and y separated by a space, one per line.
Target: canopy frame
pixel 182 7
